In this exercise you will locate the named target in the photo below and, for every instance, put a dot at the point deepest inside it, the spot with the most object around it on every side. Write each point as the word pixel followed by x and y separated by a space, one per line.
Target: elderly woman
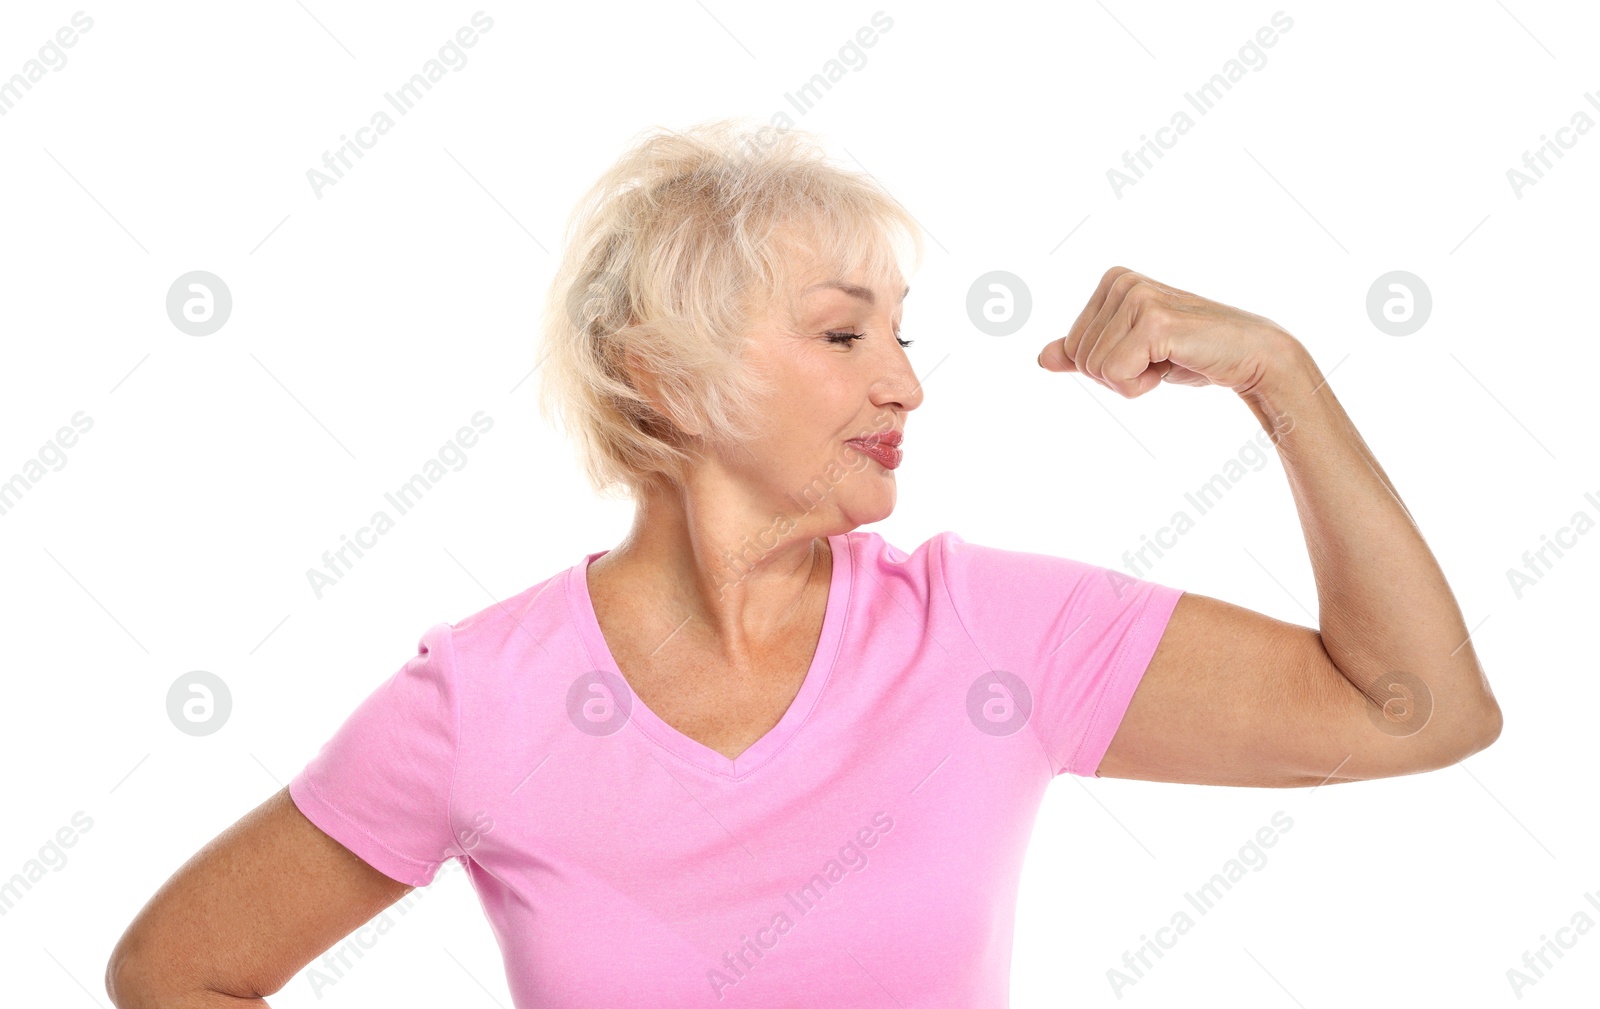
pixel 754 755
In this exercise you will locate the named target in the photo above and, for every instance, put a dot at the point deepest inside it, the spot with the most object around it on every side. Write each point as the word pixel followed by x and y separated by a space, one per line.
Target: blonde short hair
pixel 669 259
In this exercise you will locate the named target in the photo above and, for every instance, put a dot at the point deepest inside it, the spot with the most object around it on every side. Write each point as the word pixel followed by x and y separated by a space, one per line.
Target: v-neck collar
pixel 693 751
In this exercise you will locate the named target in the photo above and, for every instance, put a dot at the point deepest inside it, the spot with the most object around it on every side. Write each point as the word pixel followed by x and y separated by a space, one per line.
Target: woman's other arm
pixel 245 914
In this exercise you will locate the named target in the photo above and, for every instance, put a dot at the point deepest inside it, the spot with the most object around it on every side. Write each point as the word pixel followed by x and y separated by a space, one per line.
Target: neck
pixel 719 560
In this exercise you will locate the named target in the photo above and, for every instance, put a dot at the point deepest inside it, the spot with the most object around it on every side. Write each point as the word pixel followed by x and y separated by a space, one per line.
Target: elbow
pixel 1473 737
pixel 133 981
pixel 1490 725
pixel 140 976
pixel 127 984
pixel 1439 745
pixel 121 989
pixel 116 971
pixel 1462 739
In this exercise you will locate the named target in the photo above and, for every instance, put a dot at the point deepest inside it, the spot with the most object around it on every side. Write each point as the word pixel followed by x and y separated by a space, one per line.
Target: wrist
pixel 1286 368
pixel 1287 377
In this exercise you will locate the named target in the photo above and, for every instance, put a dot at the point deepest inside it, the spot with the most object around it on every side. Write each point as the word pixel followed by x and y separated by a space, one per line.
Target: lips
pixel 885 448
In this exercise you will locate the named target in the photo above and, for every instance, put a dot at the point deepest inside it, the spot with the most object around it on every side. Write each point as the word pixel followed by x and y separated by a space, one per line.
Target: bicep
pixel 1235 697
pixel 251 908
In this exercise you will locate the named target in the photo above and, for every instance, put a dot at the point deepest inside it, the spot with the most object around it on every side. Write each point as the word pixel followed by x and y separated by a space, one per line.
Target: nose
pixel 899 387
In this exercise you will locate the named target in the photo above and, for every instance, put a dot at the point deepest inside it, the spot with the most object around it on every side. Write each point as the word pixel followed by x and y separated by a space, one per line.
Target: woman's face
pixel 830 388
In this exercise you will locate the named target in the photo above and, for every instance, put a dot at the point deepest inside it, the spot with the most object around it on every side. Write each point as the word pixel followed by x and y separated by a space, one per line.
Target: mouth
pixel 885 447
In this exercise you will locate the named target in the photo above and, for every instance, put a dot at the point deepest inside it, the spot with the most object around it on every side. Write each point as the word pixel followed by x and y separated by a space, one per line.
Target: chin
pixel 861 506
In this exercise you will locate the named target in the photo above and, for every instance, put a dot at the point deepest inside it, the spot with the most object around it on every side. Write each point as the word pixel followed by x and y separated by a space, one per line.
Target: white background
pixel 371 323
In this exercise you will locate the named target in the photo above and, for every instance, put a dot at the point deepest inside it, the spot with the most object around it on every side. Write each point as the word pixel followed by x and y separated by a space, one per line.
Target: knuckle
pixel 1096 367
pixel 1125 281
pixel 1157 320
pixel 1121 370
pixel 1143 292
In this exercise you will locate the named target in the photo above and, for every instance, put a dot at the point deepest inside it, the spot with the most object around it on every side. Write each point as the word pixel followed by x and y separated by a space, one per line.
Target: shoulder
pixel 498 635
pixel 871 553
pixel 978 577
pixel 947 551
pixel 930 568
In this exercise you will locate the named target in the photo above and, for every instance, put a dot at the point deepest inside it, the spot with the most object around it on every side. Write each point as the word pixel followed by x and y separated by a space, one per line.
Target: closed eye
pixel 843 338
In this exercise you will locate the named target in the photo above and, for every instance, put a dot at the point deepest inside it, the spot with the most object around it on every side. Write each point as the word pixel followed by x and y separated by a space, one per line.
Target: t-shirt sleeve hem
pixel 1117 693
pixel 333 822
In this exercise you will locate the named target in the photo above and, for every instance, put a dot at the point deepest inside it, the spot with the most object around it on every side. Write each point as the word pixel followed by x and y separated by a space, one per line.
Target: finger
pixel 1090 341
pixel 1147 380
pixel 1054 357
pixel 1173 290
pixel 1133 354
pixel 1116 318
pixel 1112 344
pixel 1092 310
pixel 1152 377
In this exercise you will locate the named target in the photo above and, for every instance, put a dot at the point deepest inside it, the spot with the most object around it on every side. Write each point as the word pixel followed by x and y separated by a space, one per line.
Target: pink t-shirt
pixel 867 848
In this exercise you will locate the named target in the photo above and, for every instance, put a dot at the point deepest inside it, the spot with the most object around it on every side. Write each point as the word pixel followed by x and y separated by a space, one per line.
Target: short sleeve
pixel 1078 636
pixel 381 785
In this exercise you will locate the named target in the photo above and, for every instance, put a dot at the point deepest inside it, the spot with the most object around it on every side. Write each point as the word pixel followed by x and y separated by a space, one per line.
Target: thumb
pixel 1054 356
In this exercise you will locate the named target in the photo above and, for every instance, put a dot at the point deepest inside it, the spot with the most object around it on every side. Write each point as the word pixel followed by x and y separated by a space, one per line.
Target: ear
pixel 644 380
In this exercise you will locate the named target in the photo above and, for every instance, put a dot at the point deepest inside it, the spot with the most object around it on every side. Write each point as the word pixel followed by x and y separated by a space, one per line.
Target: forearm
pixel 1385 608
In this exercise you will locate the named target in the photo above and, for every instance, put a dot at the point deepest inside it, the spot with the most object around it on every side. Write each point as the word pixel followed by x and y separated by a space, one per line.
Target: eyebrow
pixel 853 290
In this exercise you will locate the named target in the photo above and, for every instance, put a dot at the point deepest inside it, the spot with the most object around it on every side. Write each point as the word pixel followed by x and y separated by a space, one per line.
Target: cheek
pixel 811 403
pixel 803 436
pixel 815 397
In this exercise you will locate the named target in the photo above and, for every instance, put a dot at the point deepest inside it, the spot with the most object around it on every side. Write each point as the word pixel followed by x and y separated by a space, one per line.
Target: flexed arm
pixel 1390 683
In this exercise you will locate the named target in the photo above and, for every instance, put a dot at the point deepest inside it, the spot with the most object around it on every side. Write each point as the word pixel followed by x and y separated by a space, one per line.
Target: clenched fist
pixel 1135 332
